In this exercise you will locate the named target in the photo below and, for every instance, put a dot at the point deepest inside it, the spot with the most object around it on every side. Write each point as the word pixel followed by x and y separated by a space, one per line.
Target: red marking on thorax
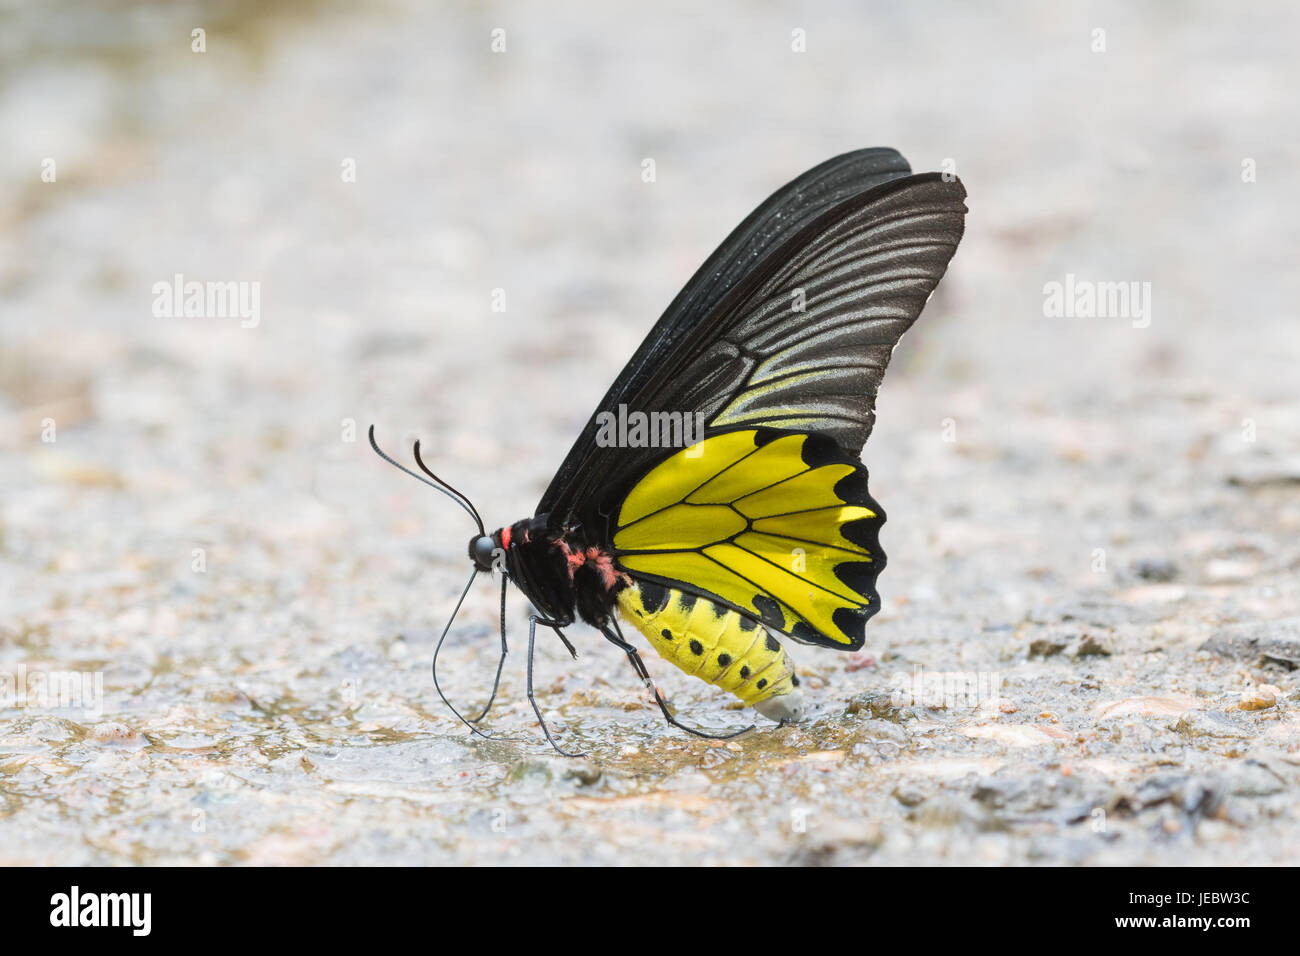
pixel 505 537
pixel 600 560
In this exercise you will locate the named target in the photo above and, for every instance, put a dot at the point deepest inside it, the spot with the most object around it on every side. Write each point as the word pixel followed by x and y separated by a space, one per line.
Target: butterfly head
pixel 482 548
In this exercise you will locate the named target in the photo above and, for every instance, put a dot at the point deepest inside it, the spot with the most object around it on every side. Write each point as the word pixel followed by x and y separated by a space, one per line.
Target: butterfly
pixel 716 501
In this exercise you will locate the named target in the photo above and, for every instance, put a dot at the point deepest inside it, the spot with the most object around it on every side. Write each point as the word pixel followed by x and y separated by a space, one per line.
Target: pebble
pixel 1256 698
pixel 992 706
pixel 1015 735
pixel 1161 570
pixel 909 794
pixel 885 730
pixel 583 773
pixel 113 732
pixel 859 661
pixel 950 810
pixel 1223 571
pixel 1212 724
pixel 1169 705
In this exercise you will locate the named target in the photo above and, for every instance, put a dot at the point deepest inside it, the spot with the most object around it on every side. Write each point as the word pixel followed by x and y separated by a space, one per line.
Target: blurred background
pixel 444 214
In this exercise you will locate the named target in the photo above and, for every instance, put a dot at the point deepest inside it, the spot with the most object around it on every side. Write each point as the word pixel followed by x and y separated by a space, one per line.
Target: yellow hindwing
pixel 778 525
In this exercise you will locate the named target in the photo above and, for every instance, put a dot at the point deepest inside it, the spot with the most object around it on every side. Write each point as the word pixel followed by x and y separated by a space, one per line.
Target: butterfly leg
pixel 533 621
pixel 615 636
pixel 501 661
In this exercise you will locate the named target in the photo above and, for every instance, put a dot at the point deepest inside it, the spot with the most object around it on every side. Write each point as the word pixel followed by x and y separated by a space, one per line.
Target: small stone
pixel 1270 642
pixel 1015 735
pixel 1211 724
pixel 1089 645
pixel 909 794
pixel 859 661
pixel 114 732
pixel 1168 705
pixel 1264 472
pixel 53 730
pixel 1286 733
pixel 1193 794
pixel 876 704
pixel 949 811
pixel 1256 698
pixel 584 774
pixel 1223 571
pixel 1161 570
pixel 883 731
pixel 1046 647
pixel 991 706
pixel 1155 594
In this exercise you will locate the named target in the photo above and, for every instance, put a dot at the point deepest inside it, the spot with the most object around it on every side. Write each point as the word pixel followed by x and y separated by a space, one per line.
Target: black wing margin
pixel 790 323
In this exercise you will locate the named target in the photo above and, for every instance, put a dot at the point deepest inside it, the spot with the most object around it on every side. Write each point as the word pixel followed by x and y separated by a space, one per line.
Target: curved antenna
pixel 460 494
pixel 454 495
pixel 501 661
pixel 437 650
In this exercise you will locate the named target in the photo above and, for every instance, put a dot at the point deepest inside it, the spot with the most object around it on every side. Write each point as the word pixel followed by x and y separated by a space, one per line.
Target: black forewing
pixel 780 217
pixel 861 243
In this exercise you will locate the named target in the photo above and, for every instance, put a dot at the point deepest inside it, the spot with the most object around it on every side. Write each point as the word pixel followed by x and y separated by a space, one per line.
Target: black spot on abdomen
pixel 654 597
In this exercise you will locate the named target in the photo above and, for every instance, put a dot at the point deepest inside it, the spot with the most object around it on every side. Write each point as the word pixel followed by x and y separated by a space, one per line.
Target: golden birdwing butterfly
pixel 715 499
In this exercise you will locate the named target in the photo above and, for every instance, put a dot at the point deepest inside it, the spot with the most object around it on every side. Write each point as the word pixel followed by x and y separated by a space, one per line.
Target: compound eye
pixel 482 552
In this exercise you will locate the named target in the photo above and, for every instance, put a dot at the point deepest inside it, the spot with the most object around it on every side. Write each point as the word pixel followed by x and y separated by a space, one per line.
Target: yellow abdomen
pixel 717 645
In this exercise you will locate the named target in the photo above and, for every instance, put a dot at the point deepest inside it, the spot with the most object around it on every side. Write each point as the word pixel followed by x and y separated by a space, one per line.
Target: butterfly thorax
pixel 563 573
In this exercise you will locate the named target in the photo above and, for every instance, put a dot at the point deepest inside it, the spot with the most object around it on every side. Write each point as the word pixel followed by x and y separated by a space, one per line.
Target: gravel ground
pixel 1095 520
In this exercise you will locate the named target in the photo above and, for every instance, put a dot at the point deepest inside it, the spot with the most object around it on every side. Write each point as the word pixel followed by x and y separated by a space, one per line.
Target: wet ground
pixel 1091 630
